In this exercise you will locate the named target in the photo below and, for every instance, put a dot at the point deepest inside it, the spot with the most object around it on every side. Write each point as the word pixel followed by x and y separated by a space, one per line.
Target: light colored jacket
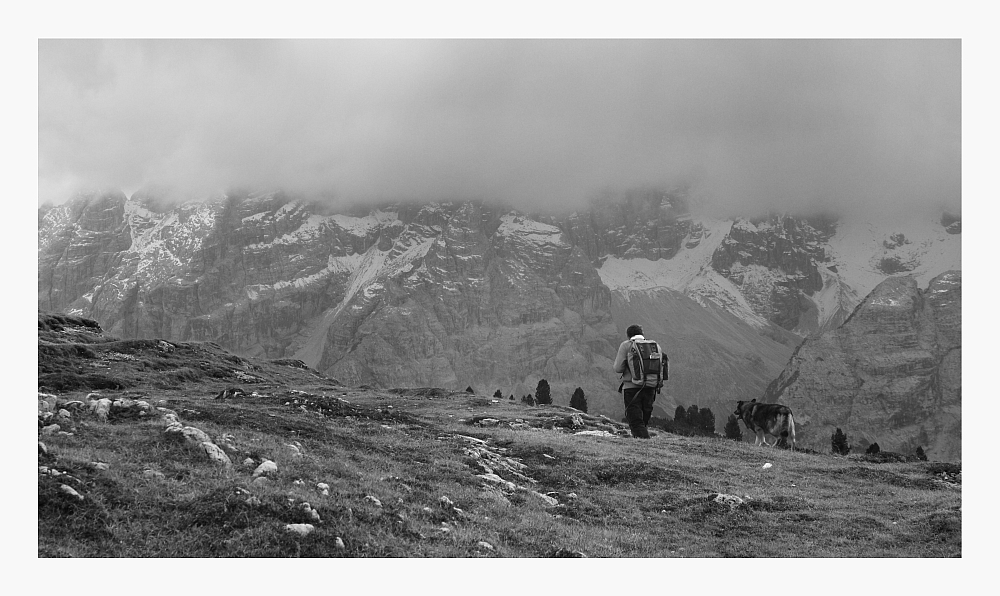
pixel 621 363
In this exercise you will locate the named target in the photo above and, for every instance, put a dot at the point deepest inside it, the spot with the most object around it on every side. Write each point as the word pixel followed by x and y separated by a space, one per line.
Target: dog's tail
pixel 790 433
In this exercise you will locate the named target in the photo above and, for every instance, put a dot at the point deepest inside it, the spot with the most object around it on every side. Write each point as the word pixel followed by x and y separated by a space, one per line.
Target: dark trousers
pixel 638 409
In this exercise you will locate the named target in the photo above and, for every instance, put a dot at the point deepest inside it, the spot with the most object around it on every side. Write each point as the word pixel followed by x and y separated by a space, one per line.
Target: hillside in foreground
pixel 163 449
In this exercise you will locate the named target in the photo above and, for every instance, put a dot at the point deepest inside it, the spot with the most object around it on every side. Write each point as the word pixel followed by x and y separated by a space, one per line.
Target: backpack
pixel 647 364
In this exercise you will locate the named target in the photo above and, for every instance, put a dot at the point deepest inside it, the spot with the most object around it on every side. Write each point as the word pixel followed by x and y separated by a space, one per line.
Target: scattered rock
pixel 296 452
pixel 99 465
pixel 571 496
pixel 260 482
pixel 187 434
pixel 101 408
pixel 50 429
pixel 732 500
pixel 446 503
pixel 69 491
pixel 253 501
pixel 215 454
pixel 595 433
pixel 231 393
pixel 484 545
pixel 309 511
pixel 766 466
pixel 298 482
pixel 374 501
pixel 494 479
pixel 249 462
pixel 153 474
pixel 567 553
pixel 339 544
pixel 300 529
pixel 266 467
pixel 547 456
pixel 547 499
pixel 489 422
pixel 74 405
pixel 42 449
pixel 323 487
pixel 64 414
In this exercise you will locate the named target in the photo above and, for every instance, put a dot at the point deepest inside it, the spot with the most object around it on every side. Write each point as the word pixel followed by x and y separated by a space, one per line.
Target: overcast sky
pixel 748 124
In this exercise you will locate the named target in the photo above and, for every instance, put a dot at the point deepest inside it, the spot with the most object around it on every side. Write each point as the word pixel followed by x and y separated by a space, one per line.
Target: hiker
pixel 642 366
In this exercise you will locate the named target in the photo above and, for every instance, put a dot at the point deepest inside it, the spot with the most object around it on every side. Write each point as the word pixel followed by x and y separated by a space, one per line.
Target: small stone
pixel 547 499
pixel 296 452
pixel 547 456
pixel 484 544
pixel 69 491
pixel 323 486
pixel 42 449
pixel 766 466
pixel 260 482
pixel 446 502
pixel 489 422
pixel 249 462
pixel 339 544
pixel 65 434
pixel 253 501
pixel 374 501
pixel 215 453
pixel 427 510
pixel 64 413
pixel 571 495
pixel 50 429
pixel 153 474
pixel 101 408
pixel 300 529
pixel 266 467
pixel 312 513
pixel 99 465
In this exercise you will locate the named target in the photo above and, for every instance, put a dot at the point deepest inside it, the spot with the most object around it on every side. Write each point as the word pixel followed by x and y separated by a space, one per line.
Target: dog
pixel 771 419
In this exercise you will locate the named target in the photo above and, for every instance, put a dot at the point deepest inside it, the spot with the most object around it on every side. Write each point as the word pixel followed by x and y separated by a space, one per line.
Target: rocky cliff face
pixel 776 263
pixel 891 374
pixel 459 294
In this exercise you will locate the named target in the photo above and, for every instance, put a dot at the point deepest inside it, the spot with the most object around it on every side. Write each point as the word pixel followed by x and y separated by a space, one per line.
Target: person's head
pixel 633 330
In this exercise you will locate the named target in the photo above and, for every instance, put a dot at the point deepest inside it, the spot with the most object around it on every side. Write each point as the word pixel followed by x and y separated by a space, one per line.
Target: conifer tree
pixel 839 443
pixel 498 394
pixel 469 389
pixel 692 415
pixel 543 394
pixel 873 449
pixel 920 454
pixel 732 428
pixel 528 400
pixel 579 400
pixel 680 415
pixel 706 421
pixel 511 397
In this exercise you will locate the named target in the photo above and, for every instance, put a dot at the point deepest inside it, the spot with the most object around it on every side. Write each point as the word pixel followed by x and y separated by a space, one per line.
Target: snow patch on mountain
pixel 529 231
pixel 689 272
pixel 364 226
pixel 677 273
pixel 859 248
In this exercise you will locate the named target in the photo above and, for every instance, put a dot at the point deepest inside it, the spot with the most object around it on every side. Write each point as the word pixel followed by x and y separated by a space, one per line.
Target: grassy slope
pixel 632 498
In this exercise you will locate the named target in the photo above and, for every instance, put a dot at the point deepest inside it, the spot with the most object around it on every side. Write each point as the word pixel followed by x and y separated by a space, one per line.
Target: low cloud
pixel 748 125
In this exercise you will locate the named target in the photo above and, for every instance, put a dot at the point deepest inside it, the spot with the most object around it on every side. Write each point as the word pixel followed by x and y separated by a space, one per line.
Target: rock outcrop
pixel 891 373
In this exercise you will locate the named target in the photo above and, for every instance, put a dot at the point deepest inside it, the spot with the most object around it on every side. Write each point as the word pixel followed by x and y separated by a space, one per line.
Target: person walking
pixel 639 388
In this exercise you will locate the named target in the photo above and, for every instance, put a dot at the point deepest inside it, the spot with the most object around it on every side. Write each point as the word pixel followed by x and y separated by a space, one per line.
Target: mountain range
pixel 458 294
